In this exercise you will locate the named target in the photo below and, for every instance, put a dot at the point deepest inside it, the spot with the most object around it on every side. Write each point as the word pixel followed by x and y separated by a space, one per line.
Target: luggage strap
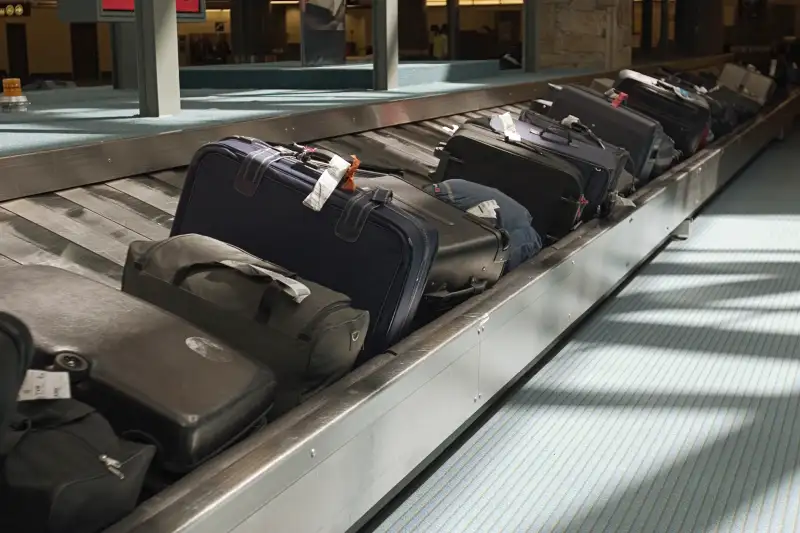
pixel 357 211
pixel 297 290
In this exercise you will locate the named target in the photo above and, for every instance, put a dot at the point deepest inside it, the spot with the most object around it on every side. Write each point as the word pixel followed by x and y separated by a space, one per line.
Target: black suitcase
pixel 684 116
pixel 724 116
pixel 307 334
pixel 651 149
pixel 472 253
pixel 547 185
pixel 16 357
pixel 155 377
pixel 66 471
pixel 600 162
pixel 249 194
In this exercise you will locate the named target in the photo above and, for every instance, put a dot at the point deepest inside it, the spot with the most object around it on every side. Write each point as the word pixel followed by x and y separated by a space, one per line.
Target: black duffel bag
pixel 66 471
pixel 307 334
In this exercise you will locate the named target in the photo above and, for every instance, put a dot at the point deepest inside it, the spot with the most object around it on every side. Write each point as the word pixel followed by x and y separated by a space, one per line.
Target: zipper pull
pixel 112 465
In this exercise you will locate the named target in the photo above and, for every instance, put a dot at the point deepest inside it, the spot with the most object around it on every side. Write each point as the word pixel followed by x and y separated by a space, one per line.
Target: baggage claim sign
pixel 121 10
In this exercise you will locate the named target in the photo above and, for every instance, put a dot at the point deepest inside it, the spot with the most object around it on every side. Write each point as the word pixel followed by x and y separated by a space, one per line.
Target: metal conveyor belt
pixel 674 408
pixel 88 229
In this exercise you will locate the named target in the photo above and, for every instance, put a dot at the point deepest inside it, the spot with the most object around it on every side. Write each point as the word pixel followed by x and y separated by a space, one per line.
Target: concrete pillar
pixel 413 21
pixel 531 34
pixel 453 28
pixel 157 58
pixel 385 49
pixel 124 73
pixel 700 27
pixel 646 43
pixel 585 34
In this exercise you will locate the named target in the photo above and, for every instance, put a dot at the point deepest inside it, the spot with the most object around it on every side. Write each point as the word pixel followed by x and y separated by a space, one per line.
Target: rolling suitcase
pixel 724 115
pixel 685 116
pixel 155 377
pixel 547 185
pixel 651 150
pixel 472 252
pixel 600 162
pixel 278 204
pixel 307 334
pixel 747 82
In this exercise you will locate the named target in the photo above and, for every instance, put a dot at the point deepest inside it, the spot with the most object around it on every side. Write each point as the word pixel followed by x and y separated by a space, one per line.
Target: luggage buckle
pixel 382 196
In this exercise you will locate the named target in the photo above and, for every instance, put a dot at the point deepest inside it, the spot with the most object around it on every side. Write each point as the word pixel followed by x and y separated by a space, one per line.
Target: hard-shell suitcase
pixel 499 209
pixel 600 162
pixel 360 243
pixel 155 377
pixel 685 116
pixel 66 471
pixel 748 82
pixel 307 334
pixel 652 151
pixel 472 252
pixel 548 186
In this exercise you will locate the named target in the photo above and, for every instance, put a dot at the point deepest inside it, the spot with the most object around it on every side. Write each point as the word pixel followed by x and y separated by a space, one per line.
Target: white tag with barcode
pixel 327 183
pixel 487 209
pixel 509 128
pixel 42 385
pixel 298 291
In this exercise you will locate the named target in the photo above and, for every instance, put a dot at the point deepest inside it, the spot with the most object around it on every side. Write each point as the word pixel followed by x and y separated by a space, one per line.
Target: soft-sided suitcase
pixel 547 185
pixel 155 377
pixel 652 151
pixel 748 82
pixel 307 334
pixel 685 116
pixel 360 243
pixel 66 471
pixel 16 357
pixel 724 116
pixel 600 162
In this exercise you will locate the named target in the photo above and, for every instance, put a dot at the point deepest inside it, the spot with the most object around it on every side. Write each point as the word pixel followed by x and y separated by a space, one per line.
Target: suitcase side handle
pixel 357 212
pixel 447 299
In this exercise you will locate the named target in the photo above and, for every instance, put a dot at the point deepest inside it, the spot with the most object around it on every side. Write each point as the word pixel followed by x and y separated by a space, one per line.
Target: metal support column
pixel 453 29
pixel 646 42
pixel 123 55
pixel 530 36
pixel 385 45
pixel 157 53
pixel 663 43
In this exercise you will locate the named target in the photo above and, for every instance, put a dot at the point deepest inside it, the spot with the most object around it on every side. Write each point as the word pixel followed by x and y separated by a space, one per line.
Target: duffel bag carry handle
pixel 297 290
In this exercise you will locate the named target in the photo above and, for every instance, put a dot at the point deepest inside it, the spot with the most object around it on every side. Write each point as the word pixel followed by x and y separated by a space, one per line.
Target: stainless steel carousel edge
pixel 54 170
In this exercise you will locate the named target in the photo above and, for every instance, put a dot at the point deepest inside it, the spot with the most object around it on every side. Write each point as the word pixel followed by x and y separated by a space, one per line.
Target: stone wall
pixel 585 33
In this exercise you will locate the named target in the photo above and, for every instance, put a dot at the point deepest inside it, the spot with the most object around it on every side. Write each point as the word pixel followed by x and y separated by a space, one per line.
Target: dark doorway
pixel 17 46
pixel 85 53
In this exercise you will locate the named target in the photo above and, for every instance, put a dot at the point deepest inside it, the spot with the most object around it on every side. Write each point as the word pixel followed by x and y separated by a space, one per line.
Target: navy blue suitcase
pixel 249 194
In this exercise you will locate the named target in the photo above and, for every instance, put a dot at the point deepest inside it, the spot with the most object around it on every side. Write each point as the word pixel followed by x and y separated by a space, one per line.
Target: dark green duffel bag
pixel 307 334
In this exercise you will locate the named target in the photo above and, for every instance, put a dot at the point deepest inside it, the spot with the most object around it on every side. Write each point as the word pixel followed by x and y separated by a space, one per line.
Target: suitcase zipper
pixel 110 464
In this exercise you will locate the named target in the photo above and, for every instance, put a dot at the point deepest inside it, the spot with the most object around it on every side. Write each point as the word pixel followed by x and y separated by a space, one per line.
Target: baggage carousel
pixel 632 426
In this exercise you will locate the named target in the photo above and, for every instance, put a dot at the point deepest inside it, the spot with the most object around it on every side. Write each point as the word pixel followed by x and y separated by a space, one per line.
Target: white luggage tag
pixel 292 287
pixel 570 120
pixel 509 129
pixel 43 385
pixel 773 67
pixel 487 209
pixel 327 183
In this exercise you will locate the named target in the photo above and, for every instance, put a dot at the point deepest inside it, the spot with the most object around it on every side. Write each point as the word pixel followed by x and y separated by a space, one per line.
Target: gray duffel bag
pixel 307 334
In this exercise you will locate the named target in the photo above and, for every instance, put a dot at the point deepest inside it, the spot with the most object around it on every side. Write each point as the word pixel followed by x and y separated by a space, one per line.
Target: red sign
pixel 182 6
